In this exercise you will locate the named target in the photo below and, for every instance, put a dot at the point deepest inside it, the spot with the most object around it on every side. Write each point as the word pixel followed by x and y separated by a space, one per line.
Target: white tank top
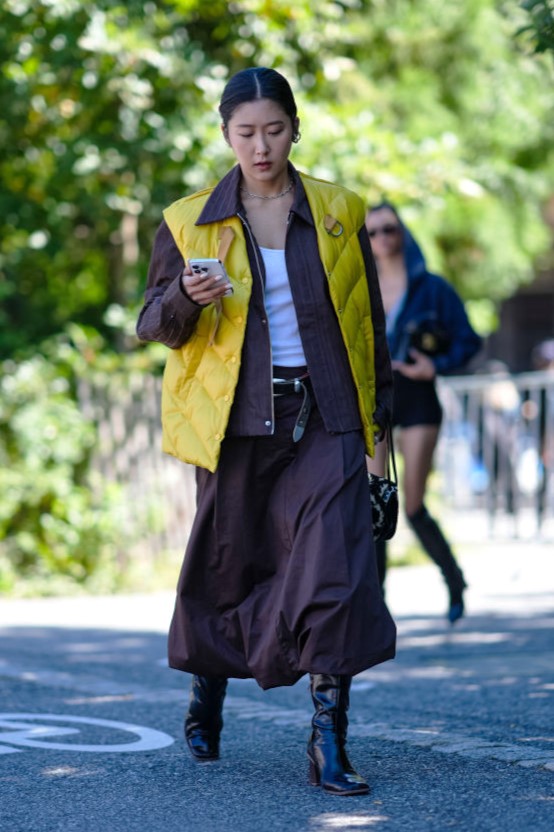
pixel 286 345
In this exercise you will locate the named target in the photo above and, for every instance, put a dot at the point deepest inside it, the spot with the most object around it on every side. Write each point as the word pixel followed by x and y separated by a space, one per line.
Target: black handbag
pixel 384 496
pixel 430 337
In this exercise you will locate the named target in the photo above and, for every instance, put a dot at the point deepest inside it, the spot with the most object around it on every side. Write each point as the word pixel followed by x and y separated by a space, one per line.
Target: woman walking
pixel 428 333
pixel 275 388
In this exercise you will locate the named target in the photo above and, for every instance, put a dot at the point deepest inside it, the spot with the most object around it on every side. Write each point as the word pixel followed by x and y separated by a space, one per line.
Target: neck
pixel 267 190
pixel 390 267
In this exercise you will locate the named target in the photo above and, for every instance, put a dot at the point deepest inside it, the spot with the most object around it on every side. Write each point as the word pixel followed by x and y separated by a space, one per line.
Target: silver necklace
pixel 273 196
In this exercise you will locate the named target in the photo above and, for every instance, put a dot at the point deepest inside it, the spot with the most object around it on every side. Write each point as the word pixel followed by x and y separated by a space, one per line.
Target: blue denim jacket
pixel 430 298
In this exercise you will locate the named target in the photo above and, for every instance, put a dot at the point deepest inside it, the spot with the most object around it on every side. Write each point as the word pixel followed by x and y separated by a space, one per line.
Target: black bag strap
pixel 390 467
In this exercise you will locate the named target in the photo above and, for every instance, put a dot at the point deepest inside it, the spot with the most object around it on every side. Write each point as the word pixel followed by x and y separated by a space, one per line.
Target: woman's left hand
pixel 421 367
pixel 201 289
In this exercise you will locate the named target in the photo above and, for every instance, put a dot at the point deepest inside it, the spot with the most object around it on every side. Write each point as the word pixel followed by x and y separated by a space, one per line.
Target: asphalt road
pixel 456 733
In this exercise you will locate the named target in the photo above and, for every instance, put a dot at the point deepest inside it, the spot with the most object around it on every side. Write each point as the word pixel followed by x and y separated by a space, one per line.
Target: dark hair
pixel 382 205
pixel 254 83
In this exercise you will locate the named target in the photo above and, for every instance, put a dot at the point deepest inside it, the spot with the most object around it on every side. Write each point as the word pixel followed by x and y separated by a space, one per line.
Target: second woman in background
pixel 428 333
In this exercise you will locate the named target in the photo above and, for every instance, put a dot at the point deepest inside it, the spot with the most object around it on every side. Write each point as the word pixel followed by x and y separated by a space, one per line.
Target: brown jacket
pixel 169 316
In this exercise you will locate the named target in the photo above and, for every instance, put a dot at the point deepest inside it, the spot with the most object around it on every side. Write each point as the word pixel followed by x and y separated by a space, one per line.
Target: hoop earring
pixel 296 136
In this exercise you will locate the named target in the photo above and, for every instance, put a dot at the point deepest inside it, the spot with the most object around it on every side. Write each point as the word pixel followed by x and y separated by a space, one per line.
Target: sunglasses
pixel 389 230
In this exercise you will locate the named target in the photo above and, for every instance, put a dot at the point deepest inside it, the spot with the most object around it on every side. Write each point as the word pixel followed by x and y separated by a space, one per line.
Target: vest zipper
pixel 260 272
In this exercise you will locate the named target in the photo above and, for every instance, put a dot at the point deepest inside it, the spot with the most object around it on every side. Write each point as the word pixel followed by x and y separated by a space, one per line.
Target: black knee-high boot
pixel 329 764
pixel 381 555
pixel 438 549
pixel 204 720
pixel 342 728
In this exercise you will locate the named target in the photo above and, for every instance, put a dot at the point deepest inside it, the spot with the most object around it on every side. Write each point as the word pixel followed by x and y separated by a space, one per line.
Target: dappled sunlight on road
pixel 438 639
pixel 343 820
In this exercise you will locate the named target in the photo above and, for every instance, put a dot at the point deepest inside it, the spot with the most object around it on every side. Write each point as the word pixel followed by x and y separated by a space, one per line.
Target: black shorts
pixel 415 403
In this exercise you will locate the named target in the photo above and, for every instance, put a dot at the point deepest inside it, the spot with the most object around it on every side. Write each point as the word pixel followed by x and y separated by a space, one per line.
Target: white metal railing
pixel 496 449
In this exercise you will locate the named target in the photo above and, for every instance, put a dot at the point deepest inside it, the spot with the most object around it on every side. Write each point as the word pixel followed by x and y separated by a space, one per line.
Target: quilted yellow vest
pixel 200 378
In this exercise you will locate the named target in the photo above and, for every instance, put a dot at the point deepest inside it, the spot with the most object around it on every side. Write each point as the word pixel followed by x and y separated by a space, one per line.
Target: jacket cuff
pixel 180 301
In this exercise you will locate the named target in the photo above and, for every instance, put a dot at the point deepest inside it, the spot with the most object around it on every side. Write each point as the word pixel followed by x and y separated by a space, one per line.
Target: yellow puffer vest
pixel 200 378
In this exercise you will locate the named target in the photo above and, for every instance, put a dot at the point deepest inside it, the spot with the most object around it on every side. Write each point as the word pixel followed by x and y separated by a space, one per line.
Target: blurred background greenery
pixel 109 113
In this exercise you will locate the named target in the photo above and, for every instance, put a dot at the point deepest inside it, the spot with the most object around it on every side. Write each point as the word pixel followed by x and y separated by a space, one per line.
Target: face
pixel 385 233
pixel 260 134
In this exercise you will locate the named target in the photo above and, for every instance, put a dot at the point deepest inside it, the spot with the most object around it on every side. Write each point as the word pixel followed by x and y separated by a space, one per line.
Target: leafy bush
pixel 59 520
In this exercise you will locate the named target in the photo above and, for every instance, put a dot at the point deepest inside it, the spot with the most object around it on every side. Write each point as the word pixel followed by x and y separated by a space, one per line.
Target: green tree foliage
pixel 540 27
pixel 450 116
pixel 109 113
pixel 107 116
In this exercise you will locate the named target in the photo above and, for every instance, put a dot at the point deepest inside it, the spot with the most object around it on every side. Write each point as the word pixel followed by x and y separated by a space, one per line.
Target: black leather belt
pixel 286 387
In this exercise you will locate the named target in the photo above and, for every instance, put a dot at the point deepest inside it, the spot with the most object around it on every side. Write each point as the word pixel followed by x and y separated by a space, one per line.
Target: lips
pixel 262 165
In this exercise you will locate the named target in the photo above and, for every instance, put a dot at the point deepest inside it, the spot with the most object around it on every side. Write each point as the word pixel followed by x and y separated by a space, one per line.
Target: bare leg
pixel 417 445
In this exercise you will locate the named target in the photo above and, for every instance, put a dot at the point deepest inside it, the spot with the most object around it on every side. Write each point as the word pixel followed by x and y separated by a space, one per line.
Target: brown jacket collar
pixel 224 201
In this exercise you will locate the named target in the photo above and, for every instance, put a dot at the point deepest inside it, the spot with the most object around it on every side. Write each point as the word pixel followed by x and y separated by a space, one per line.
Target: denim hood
pixel 430 299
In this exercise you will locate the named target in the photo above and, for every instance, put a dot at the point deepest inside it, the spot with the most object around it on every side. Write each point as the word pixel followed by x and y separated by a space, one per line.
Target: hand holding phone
pixel 206 280
pixel 211 267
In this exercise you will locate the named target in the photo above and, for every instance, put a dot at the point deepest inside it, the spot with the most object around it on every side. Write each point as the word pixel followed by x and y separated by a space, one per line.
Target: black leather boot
pixel 438 549
pixel 204 721
pixel 342 728
pixel 329 764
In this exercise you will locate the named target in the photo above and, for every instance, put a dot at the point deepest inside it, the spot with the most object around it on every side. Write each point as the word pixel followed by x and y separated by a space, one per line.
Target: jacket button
pixel 239 319
pixel 217 436
pixel 226 398
pixel 233 359
pixel 267 423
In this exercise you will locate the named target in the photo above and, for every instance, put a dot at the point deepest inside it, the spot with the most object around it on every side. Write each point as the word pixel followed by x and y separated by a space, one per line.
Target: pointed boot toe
pixel 202 747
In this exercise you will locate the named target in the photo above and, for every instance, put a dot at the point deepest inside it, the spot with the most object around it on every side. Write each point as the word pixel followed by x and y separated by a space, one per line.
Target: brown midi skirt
pixel 279 577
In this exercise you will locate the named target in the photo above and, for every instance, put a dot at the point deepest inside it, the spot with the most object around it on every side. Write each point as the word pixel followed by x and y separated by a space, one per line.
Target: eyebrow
pixel 269 123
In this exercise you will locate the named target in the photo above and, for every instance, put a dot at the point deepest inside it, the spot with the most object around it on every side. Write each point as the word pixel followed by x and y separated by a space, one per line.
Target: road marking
pixel 20 733
pixel 527 756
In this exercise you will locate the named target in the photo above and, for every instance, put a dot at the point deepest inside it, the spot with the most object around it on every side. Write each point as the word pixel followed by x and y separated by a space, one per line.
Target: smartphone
pixel 211 267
